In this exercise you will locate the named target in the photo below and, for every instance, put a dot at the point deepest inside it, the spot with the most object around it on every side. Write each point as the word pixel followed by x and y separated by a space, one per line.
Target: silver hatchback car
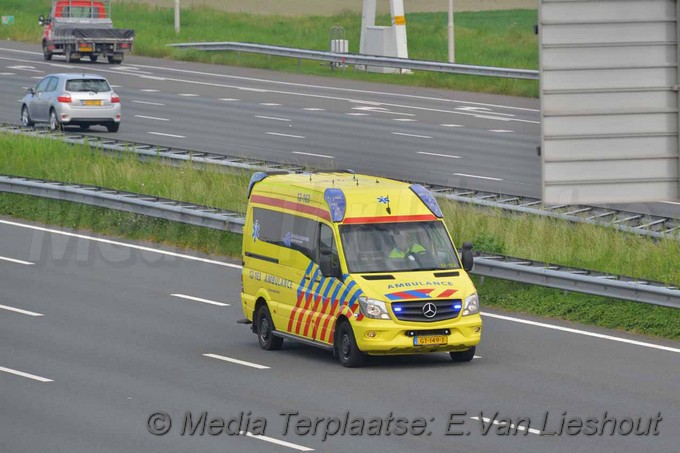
pixel 80 100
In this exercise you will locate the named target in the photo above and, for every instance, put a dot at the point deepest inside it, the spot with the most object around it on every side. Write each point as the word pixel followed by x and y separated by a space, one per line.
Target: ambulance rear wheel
pixel 464 356
pixel 348 352
pixel 265 330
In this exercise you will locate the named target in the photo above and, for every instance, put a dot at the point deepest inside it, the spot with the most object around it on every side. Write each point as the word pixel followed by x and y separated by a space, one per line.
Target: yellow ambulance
pixel 355 264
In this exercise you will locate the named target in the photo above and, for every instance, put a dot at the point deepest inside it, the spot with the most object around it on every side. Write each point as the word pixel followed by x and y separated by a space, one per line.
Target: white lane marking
pixel 19 310
pixel 237 361
pixel 12 260
pixel 451 125
pixel 284 135
pixel 272 118
pixel 501 131
pixel 314 109
pixel 149 90
pixel 25 68
pixel 488 117
pixel 404 119
pixel 671 202
pixel 198 299
pixel 228 99
pixel 116 86
pixel 438 155
pixel 26 375
pixel 188 95
pixel 121 244
pixel 269 104
pixel 357 114
pixel 583 332
pixel 148 103
pixel 57 65
pixel 382 110
pixel 236 266
pixel 411 135
pixel 151 118
pixel 142 76
pixel 477 357
pixel 167 135
pixel 37 77
pixel 478 177
pixel 256 90
pixel 283 443
pixel 312 154
pixel 518 427
pixel 7 73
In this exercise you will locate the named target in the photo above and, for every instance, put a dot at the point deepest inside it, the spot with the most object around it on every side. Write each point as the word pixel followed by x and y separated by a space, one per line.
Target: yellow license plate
pixel 86 49
pixel 91 102
pixel 430 340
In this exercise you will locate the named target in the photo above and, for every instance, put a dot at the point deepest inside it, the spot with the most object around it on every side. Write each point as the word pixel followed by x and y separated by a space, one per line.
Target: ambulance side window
pixel 285 230
pixel 327 245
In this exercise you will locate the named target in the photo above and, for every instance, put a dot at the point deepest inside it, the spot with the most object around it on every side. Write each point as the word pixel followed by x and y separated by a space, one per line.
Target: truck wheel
pixel 47 55
pixel 463 356
pixel 55 125
pixel 265 330
pixel 113 127
pixel 93 58
pixel 114 60
pixel 68 53
pixel 348 352
pixel 26 117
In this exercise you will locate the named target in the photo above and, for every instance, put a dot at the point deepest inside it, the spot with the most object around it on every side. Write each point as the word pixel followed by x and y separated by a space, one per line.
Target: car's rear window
pixel 87 85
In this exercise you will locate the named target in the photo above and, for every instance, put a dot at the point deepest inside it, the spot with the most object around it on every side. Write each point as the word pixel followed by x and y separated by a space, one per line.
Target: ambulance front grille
pixel 416 310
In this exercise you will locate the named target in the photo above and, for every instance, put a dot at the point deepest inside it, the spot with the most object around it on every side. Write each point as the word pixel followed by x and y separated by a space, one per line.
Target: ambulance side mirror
pixel 468 257
pixel 41 20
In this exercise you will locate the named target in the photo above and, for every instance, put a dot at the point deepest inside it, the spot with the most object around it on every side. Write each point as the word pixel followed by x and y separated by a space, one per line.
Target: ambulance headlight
pixel 372 308
pixel 471 305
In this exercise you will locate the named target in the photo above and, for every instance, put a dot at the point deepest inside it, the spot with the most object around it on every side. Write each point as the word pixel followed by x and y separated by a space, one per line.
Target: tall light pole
pixel 177 17
pixel 452 54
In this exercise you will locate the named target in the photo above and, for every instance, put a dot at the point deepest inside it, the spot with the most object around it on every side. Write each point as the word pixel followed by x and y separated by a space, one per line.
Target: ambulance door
pixel 298 240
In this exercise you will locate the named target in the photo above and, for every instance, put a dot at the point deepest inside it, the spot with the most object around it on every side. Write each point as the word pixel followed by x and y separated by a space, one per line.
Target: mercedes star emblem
pixel 429 310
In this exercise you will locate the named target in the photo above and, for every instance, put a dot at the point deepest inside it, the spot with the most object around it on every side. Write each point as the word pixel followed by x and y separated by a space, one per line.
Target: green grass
pixel 538 238
pixel 488 38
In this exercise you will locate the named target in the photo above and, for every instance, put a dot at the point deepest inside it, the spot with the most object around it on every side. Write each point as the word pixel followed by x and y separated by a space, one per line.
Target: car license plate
pixel 86 49
pixel 92 102
pixel 430 340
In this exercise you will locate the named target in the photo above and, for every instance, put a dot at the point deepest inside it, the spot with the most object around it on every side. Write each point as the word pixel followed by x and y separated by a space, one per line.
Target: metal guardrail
pixel 363 60
pixel 631 222
pixel 515 269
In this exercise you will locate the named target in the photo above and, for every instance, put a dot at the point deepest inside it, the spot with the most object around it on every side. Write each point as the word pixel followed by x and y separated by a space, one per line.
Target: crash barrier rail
pixel 508 268
pixel 337 59
pixel 631 222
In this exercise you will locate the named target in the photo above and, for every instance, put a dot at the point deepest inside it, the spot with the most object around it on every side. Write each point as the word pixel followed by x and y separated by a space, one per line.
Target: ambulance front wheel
pixel 348 352
pixel 265 330
pixel 463 356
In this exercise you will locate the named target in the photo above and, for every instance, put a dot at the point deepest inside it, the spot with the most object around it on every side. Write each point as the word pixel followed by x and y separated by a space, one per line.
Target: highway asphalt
pixel 93 343
pixel 477 141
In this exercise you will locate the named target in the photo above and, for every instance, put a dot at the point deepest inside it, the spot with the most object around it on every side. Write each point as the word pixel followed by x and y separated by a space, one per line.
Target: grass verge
pixel 532 237
pixel 498 294
pixel 487 38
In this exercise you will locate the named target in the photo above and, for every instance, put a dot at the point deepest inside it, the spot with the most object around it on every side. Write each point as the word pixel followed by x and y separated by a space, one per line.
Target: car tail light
pixel 64 98
pixel 115 99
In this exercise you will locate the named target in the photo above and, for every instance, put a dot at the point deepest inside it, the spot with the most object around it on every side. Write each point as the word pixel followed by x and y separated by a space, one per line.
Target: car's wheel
pixel 348 352
pixel 265 330
pixel 47 55
pixel 463 356
pixel 93 58
pixel 55 125
pixel 26 117
pixel 113 127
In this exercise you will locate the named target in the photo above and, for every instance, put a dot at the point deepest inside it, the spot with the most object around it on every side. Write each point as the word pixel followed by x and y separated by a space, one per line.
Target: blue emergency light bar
pixel 427 198
pixel 336 203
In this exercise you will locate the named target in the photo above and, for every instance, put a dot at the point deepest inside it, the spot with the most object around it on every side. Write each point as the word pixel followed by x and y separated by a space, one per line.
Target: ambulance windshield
pixel 394 247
